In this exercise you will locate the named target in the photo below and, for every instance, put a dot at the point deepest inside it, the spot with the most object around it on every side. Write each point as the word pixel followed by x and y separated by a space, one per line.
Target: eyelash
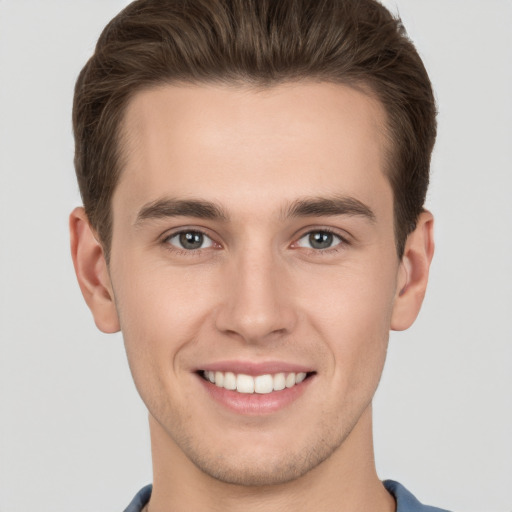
pixel 343 242
pixel 181 251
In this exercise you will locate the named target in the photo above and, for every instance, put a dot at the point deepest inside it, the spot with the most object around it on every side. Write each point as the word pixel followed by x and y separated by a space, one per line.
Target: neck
pixel 345 482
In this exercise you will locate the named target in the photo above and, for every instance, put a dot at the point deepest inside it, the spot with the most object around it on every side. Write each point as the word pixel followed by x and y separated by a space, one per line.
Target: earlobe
pixel 413 273
pixel 92 272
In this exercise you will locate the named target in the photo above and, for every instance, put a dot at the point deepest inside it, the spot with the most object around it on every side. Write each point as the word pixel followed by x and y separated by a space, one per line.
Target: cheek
pixel 162 314
pixel 356 297
pixel 352 314
pixel 160 310
pixel 160 307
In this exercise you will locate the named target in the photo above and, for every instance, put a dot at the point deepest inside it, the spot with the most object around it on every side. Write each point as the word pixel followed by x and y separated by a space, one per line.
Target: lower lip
pixel 255 403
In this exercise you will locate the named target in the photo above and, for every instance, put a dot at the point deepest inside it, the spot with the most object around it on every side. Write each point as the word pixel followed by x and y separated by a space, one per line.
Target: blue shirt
pixel 405 501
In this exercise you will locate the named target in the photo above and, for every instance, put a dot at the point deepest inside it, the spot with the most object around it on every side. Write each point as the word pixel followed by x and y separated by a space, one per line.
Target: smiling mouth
pixel 248 384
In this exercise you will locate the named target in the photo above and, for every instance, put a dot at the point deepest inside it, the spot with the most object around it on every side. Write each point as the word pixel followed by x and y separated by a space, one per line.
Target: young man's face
pixel 253 234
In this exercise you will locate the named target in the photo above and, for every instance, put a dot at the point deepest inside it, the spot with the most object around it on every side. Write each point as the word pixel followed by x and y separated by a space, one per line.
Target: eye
pixel 190 240
pixel 319 240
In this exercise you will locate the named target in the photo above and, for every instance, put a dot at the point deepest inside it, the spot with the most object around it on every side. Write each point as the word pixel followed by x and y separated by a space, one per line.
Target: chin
pixel 265 466
pixel 255 475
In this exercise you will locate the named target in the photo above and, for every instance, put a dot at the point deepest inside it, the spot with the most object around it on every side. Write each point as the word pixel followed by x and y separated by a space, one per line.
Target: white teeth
pixel 244 383
pixel 219 379
pixel 264 384
pixel 300 377
pixel 279 381
pixel 261 384
pixel 229 381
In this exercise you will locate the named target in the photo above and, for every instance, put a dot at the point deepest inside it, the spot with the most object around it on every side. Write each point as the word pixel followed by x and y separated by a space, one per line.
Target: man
pixel 253 176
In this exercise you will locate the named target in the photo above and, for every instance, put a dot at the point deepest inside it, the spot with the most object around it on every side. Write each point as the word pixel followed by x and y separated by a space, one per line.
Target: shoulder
pixel 405 501
pixel 140 499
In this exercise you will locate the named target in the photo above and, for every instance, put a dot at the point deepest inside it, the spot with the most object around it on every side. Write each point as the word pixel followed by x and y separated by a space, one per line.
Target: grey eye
pixel 190 240
pixel 319 240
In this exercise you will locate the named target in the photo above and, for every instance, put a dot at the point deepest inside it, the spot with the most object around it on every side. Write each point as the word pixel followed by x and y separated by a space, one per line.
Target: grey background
pixel 73 432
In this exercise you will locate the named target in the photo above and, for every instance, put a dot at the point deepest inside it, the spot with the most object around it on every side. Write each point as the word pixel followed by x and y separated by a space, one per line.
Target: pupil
pixel 191 240
pixel 320 240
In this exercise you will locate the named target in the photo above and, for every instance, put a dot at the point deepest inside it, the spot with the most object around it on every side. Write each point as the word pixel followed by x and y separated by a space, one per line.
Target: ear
pixel 92 272
pixel 413 273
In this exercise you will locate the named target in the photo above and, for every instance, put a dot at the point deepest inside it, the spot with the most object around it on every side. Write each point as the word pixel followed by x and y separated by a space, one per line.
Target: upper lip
pixel 255 368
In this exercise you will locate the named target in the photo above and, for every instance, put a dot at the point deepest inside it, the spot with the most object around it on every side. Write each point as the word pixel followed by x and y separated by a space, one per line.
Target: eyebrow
pixel 321 206
pixel 306 207
pixel 163 208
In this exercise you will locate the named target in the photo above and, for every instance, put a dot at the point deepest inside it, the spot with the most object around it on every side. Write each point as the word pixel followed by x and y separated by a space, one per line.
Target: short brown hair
pixel 262 43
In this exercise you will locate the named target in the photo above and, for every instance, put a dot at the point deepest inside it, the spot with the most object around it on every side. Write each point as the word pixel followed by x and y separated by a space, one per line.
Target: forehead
pixel 236 142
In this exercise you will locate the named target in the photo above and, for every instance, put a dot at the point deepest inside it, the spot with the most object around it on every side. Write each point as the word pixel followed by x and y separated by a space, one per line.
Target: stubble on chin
pixel 265 467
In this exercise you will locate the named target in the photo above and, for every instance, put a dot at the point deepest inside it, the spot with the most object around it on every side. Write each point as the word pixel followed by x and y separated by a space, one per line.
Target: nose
pixel 257 305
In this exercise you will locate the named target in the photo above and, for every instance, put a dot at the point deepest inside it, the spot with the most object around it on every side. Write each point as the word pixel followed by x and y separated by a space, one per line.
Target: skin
pixel 257 290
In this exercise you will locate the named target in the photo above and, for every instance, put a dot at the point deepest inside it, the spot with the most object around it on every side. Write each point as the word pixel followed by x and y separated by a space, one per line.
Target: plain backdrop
pixel 73 431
